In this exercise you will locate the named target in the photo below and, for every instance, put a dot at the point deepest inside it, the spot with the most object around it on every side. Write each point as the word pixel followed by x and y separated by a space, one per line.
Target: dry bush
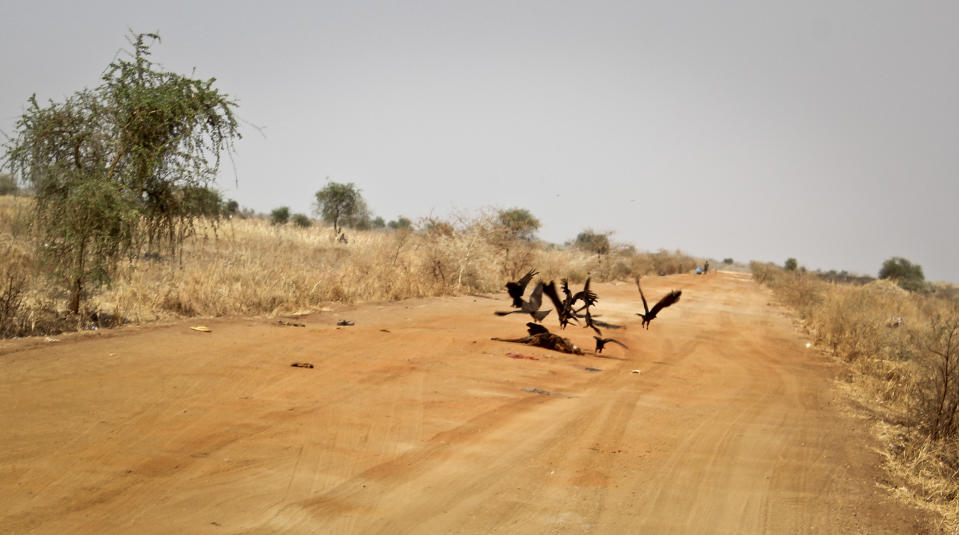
pixel 926 470
pixel 858 321
pixel 764 272
pixel 250 267
pixel 902 350
pixel 938 348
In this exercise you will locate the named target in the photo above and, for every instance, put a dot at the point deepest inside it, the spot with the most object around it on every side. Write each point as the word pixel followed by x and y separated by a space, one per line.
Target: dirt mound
pixel 885 287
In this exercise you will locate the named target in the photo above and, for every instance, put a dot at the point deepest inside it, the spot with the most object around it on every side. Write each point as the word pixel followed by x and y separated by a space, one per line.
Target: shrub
pixel 300 220
pixel 280 216
pixel 939 343
pixel 907 275
pixel 592 242
pixel 8 184
pixel 518 223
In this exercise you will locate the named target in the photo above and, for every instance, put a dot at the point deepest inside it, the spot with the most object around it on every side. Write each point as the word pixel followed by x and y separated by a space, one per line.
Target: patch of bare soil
pixel 413 421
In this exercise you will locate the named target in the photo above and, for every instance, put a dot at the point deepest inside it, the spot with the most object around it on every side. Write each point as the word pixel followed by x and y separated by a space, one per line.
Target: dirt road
pixel 414 421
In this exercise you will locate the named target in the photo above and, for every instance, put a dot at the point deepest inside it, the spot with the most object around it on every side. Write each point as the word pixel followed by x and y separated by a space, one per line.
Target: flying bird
pixel 650 314
pixel 587 296
pixel 531 307
pixel 601 343
pixel 563 306
pixel 516 289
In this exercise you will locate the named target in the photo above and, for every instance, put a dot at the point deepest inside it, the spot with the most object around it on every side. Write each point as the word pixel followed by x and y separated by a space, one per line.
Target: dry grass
pixel 884 335
pixel 250 267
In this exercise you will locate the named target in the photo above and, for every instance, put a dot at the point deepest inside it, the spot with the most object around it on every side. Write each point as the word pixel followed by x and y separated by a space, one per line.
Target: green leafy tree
pixel 727 260
pixel 280 216
pixel 593 242
pixel 378 222
pixel 907 275
pixel 301 220
pixel 341 205
pixel 791 264
pixel 519 223
pixel 400 223
pixel 231 208
pixel 8 185
pixel 119 165
pixel 201 201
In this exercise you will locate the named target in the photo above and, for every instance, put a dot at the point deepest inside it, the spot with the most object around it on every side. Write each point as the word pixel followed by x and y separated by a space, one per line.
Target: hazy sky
pixel 821 130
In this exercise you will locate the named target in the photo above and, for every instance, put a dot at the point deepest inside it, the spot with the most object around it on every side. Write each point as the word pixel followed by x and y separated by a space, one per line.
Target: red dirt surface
pixel 414 421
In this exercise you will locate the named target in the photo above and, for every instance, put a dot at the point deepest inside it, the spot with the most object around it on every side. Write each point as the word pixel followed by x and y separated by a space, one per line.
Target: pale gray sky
pixel 821 130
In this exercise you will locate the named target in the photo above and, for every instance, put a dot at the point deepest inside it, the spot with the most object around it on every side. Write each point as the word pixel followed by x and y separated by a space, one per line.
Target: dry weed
pixel 902 353
pixel 250 267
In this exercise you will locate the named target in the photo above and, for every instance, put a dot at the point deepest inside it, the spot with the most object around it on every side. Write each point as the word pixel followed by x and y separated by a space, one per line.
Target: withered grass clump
pixel 901 350
pixel 250 267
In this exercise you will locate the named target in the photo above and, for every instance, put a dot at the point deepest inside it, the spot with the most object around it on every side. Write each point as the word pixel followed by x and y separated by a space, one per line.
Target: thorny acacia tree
pixel 341 205
pixel 519 223
pixel 120 167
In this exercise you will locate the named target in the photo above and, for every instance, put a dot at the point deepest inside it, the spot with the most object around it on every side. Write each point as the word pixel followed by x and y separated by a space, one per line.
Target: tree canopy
pixel 593 242
pixel 122 166
pixel 907 275
pixel 342 205
pixel 280 216
pixel 519 223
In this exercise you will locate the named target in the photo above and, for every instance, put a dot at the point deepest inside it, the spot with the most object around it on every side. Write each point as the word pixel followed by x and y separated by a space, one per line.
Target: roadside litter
pixel 345 323
pixel 202 329
pixel 301 365
pixel 290 324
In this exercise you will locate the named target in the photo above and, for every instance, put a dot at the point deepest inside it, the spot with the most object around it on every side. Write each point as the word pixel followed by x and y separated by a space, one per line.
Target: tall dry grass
pixel 901 351
pixel 250 267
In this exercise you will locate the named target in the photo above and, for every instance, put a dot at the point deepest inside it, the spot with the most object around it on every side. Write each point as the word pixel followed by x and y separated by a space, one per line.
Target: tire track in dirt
pixel 426 428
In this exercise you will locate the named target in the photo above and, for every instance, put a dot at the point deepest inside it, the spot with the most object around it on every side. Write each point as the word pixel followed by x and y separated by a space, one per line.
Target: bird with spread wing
pixel 518 288
pixel 669 299
pixel 530 306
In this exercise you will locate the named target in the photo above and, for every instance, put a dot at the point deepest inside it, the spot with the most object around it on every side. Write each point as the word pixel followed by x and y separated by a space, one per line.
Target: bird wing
pixel 588 296
pixel 569 294
pixel 516 289
pixel 526 278
pixel 550 291
pixel 669 299
pixel 535 298
pixel 645 306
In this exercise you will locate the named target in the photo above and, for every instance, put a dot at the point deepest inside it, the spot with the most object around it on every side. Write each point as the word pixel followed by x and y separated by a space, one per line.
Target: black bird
pixel 601 343
pixel 590 323
pixel 531 307
pixel 563 306
pixel 536 328
pixel 516 289
pixel 650 315
pixel 587 296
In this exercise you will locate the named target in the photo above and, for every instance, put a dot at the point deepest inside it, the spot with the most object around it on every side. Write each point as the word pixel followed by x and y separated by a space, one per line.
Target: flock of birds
pixel 572 307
